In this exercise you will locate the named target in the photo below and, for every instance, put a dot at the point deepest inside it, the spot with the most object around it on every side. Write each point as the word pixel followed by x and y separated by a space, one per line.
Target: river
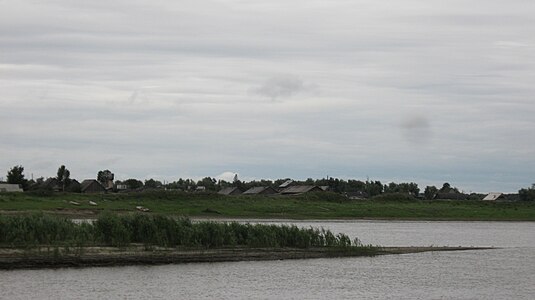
pixel 504 273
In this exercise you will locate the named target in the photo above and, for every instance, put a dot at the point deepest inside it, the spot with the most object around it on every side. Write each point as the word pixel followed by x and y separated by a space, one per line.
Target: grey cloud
pixel 416 129
pixel 416 123
pixel 281 87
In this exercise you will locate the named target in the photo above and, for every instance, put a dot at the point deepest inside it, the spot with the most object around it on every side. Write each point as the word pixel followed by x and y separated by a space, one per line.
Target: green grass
pixel 307 206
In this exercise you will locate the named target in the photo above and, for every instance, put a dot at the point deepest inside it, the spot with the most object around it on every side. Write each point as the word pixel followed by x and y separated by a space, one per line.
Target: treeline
pixel 66 183
pixel 368 188
pixel 334 184
pixel 40 230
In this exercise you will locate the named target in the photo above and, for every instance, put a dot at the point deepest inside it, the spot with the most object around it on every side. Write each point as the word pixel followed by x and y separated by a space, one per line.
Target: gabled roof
pixel 492 196
pixel 230 191
pixel 88 182
pixel 286 184
pixel 10 187
pixel 260 190
pixel 299 189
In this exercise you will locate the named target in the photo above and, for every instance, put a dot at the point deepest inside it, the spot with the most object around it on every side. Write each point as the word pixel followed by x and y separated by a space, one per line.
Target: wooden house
pixel 230 191
pixel 92 186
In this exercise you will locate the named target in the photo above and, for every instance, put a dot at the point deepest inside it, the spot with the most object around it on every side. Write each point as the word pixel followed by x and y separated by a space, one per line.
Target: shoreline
pixel 88 214
pixel 12 259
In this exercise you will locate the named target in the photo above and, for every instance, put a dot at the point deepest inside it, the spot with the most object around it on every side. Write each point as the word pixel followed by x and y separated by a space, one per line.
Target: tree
pixel 64 177
pixel 133 183
pixel 106 178
pixel 16 176
pixel 413 188
pixel 208 183
pixel 151 183
pixel 373 188
pixel 430 192
pixel 447 188
pixel 527 194
pixel 409 188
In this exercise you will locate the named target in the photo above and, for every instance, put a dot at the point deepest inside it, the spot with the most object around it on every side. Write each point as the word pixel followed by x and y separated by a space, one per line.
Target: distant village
pixel 104 182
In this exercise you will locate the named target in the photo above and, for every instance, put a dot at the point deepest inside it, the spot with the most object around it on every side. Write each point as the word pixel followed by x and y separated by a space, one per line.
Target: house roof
pixel 286 184
pixel 298 189
pixel 259 190
pixel 88 182
pixel 230 190
pixel 492 196
pixel 10 187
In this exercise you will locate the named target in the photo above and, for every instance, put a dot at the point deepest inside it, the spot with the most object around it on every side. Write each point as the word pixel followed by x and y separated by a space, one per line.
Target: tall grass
pixel 157 230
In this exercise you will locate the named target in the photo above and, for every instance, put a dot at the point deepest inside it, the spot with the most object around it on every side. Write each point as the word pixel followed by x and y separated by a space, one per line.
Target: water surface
pixel 506 273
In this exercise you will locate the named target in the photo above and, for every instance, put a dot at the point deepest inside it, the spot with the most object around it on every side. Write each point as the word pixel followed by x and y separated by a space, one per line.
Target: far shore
pixel 87 214
pixel 111 256
pixel 315 206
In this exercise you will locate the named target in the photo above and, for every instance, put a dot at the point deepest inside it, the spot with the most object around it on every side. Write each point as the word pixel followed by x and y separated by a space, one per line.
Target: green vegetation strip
pixel 37 230
pixel 306 206
pixel 40 240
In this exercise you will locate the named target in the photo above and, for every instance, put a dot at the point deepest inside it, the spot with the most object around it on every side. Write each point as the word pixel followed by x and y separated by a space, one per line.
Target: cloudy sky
pixel 426 91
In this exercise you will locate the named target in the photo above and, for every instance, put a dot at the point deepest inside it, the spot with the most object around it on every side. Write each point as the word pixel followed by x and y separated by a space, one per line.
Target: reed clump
pixel 37 230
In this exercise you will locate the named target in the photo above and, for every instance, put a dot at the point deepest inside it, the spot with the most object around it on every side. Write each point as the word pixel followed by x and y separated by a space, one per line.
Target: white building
pixel 9 187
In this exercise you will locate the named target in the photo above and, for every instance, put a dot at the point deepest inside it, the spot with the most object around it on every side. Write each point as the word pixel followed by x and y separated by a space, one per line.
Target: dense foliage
pixel 527 194
pixel 63 177
pixel 156 230
pixel 16 176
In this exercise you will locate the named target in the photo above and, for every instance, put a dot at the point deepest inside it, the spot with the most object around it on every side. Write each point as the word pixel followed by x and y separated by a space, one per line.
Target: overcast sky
pixel 425 91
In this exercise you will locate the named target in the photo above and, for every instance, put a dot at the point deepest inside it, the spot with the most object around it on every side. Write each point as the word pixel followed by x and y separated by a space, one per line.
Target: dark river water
pixel 505 273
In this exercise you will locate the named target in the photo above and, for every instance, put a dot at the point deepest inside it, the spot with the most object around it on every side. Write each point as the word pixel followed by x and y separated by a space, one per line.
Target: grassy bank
pixel 309 206
pixel 40 241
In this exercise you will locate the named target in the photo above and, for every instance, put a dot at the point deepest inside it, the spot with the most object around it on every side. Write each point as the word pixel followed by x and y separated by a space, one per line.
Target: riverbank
pixel 112 256
pixel 306 206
